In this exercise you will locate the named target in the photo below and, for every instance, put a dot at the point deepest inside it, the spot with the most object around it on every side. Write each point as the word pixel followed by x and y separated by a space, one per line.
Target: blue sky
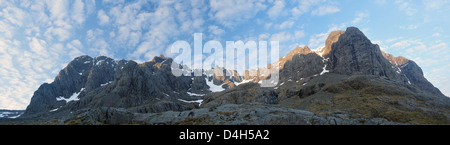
pixel 39 37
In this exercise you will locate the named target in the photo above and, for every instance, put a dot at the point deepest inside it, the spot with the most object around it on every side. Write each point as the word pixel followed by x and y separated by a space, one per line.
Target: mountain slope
pixel 350 80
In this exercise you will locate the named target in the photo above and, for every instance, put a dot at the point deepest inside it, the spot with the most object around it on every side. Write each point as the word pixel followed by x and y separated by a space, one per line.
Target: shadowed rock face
pixel 348 77
pixel 104 82
pixel 83 72
pixel 354 54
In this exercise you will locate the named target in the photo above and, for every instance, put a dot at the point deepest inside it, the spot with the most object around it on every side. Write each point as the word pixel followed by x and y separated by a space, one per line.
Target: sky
pixel 39 37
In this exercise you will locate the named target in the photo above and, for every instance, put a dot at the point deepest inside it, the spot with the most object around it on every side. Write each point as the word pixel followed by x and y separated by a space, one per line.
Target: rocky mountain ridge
pixel 349 77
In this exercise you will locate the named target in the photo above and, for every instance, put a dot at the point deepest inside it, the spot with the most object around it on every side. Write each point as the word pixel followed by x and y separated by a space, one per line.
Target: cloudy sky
pixel 39 37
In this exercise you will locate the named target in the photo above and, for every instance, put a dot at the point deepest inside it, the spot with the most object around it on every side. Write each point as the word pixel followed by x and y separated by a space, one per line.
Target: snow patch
pixel 167 95
pixel 195 101
pixel 53 110
pixel 399 70
pixel 319 51
pixel 194 94
pixel 324 68
pixel 80 74
pixel 99 62
pixel 86 62
pixel 12 117
pixel 101 85
pixel 213 87
pixel 243 82
pixel 3 114
pixel 74 97
pixel 304 84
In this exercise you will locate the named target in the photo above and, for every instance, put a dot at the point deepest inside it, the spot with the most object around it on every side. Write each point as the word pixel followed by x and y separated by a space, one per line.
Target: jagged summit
pixel 348 79
pixel 332 38
pixel 399 60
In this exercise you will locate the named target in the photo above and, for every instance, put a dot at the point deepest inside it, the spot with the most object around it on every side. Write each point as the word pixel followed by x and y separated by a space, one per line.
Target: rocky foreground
pixel 349 81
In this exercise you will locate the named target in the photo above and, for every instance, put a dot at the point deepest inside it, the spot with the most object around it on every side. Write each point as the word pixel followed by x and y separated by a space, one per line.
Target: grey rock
pixel 354 54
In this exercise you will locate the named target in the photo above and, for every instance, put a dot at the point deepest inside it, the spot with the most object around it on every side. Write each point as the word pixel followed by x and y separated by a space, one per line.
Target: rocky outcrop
pixel 354 54
pixel 246 93
pixel 229 114
pixel 399 60
pixel 413 73
pixel 302 66
pixel 349 81
pixel 415 76
pixel 331 39
pixel 104 82
pixel 82 74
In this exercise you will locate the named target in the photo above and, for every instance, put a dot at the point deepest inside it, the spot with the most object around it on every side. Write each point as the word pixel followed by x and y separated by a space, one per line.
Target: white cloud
pixel 102 17
pixel 277 9
pixel 409 27
pixel 324 10
pixel 58 8
pixel 304 6
pixel 318 40
pixel 436 34
pixel 380 2
pixel 299 34
pixel 281 36
pixel 78 14
pixel 215 30
pixel 232 12
pixel 75 47
pixel 434 5
pixel 406 6
pixel 263 37
pixel 60 33
pixel 360 16
pixel 286 24
pixel 14 15
pixel 39 47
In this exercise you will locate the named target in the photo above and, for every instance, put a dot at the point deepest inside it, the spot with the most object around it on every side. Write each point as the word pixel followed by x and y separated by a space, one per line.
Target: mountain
pixel 348 81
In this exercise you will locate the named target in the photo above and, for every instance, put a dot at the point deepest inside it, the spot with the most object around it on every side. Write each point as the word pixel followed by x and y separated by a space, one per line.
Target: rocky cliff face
pixel 81 75
pixel 354 54
pixel 350 80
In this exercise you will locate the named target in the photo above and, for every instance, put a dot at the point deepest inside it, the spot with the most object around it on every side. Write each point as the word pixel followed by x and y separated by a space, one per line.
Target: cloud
pixel 409 27
pixel 276 10
pixel 304 6
pixel 434 5
pixel 299 34
pixel 324 10
pixel 436 34
pixel 78 14
pixel 233 12
pixel 75 47
pixel 406 6
pixel 58 8
pixel 215 30
pixel 14 15
pixel 380 2
pixel 39 47
pixel 318 40
pixel 102 17
pixel 60 33
pixel 286 24
pixel 360 16
pixel 281 36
